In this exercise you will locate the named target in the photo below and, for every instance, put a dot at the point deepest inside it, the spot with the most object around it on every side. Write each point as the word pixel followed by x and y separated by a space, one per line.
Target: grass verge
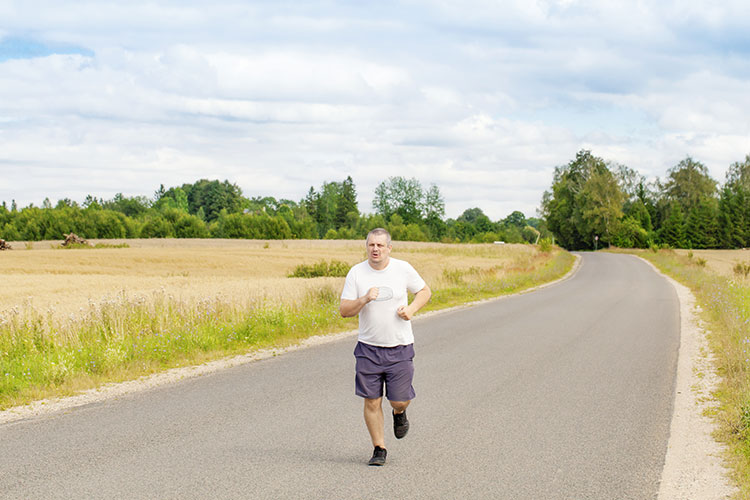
pixel 125 338
pixel 725 307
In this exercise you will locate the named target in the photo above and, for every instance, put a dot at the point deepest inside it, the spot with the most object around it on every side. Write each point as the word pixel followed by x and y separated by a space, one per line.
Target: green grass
pixel 126 338
pixel 477 284
pixel 725 305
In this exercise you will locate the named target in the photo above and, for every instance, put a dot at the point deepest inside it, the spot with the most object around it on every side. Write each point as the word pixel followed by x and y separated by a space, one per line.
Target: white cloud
pixel 481 98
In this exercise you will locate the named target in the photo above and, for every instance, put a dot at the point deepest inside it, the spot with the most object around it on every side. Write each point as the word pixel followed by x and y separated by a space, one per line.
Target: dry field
pixel 720 261
pixel 62 283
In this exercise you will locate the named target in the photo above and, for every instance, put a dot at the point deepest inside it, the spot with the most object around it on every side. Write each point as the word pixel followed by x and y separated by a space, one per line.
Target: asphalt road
pixel 563 393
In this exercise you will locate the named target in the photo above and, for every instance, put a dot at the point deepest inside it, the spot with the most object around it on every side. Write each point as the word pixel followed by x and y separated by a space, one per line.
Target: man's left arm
pixel 420 299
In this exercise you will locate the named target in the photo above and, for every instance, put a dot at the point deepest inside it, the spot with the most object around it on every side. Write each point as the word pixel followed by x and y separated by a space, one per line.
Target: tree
pixel 688 183
pixel 734 216
pixel 174 198
pixel 433 204
pixel 638 211
pixel 734 207
pixel 346 204
pixel 213 197
pixel 159 193
pixel 600 204
pixel 673 230
pixel 585 201
pixel 132 207
pixel 630 234
pixel 401 196
pixel 516 218
pixel 738 174
pixel 701 227
pixel 92 203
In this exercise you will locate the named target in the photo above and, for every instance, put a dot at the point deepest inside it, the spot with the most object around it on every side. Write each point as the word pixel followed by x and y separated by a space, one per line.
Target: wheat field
pixel 66 282
pixel 720 261
pixel 73 319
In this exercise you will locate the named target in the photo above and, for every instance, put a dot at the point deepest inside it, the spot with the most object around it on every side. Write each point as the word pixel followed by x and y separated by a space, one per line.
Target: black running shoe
pixel 378 456
pixel 400 424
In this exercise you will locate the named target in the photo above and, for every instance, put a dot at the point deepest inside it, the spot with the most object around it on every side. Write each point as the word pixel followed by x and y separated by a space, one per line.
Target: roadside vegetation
pixel 725 307
pixel 241 300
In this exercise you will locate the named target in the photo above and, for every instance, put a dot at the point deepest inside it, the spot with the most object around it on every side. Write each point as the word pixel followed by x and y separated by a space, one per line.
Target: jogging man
pixel 376 289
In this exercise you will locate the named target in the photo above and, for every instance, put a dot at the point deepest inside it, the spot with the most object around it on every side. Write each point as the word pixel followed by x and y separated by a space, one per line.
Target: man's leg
pixel 400 392
pixel 400 422
pixel 399 406
pixel 374 420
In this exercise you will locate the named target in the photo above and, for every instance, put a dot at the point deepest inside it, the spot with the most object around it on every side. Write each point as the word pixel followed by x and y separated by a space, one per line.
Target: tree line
pixel 218 209
pixel 593 202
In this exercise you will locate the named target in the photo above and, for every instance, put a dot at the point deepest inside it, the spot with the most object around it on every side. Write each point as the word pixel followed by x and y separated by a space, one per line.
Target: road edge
pixel 693 465
pixel 114 390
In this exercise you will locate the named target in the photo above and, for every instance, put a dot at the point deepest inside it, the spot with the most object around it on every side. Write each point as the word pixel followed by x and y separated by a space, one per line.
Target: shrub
pixel 742 269
pixel 545 245
pixel 334 268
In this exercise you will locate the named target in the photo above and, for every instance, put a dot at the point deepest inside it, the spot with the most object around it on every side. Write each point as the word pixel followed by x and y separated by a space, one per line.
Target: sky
pixel 481 98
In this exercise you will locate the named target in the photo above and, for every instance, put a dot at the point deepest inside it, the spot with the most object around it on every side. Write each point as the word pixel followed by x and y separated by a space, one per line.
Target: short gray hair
pixel 378 230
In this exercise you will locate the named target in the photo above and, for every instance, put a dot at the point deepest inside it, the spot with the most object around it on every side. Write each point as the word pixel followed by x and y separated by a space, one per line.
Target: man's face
pixel 378 249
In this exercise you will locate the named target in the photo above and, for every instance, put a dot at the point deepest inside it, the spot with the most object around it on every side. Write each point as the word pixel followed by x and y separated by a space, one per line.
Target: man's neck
pixel 380 265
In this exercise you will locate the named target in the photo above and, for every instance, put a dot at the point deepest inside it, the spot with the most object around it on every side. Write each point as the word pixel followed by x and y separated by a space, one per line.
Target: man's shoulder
pixel 359 267
pixel 400 263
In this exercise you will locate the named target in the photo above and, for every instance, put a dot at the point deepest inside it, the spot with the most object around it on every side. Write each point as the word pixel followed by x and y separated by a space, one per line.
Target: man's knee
pixel 399 406
pixel 373 404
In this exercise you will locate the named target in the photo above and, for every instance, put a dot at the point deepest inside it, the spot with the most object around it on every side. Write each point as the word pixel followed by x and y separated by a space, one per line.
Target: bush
pixel 334 268
pixel 545 245
pixel 742 269
pixel 157 227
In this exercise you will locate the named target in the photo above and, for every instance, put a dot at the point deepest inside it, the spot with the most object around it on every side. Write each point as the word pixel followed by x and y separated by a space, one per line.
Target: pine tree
pixel 732 222
pixel 347 202
pixel 673 230
pixel 702 225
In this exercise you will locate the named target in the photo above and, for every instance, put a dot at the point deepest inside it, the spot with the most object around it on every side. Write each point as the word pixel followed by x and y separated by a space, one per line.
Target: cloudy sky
pixel 483 98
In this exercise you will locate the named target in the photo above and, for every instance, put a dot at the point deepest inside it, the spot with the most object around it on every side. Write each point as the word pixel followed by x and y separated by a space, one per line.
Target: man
pixel 376 289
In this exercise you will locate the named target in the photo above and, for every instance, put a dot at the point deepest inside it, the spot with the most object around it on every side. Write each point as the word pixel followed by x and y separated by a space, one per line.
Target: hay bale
pixel 73 238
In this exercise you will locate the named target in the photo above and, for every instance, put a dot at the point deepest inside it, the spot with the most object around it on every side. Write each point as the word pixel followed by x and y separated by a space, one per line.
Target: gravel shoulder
pixel 693 465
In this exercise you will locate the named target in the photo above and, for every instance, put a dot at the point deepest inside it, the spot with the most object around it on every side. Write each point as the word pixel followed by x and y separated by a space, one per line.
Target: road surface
pixel 562 393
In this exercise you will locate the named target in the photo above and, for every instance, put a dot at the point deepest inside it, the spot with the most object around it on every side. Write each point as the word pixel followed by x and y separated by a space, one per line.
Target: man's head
pixel 379 246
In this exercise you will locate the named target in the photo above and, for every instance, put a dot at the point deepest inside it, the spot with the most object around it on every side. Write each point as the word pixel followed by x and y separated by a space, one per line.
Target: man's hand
pixel 420 299
pixel 349 308
pixel 404 313
pixel 372 294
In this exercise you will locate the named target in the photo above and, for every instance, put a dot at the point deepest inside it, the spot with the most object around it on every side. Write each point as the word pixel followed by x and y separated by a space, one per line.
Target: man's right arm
pixel 349 308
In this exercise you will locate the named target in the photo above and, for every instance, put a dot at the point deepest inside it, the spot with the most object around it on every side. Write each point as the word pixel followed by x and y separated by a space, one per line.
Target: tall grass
pixel 474 283
pixel 130 336
pixel 725 305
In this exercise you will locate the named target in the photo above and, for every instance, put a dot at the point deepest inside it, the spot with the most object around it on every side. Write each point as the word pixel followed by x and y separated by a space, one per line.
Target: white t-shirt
pixel 379 325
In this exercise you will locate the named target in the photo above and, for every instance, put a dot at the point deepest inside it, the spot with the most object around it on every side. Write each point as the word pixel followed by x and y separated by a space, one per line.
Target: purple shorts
pixel 391 366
